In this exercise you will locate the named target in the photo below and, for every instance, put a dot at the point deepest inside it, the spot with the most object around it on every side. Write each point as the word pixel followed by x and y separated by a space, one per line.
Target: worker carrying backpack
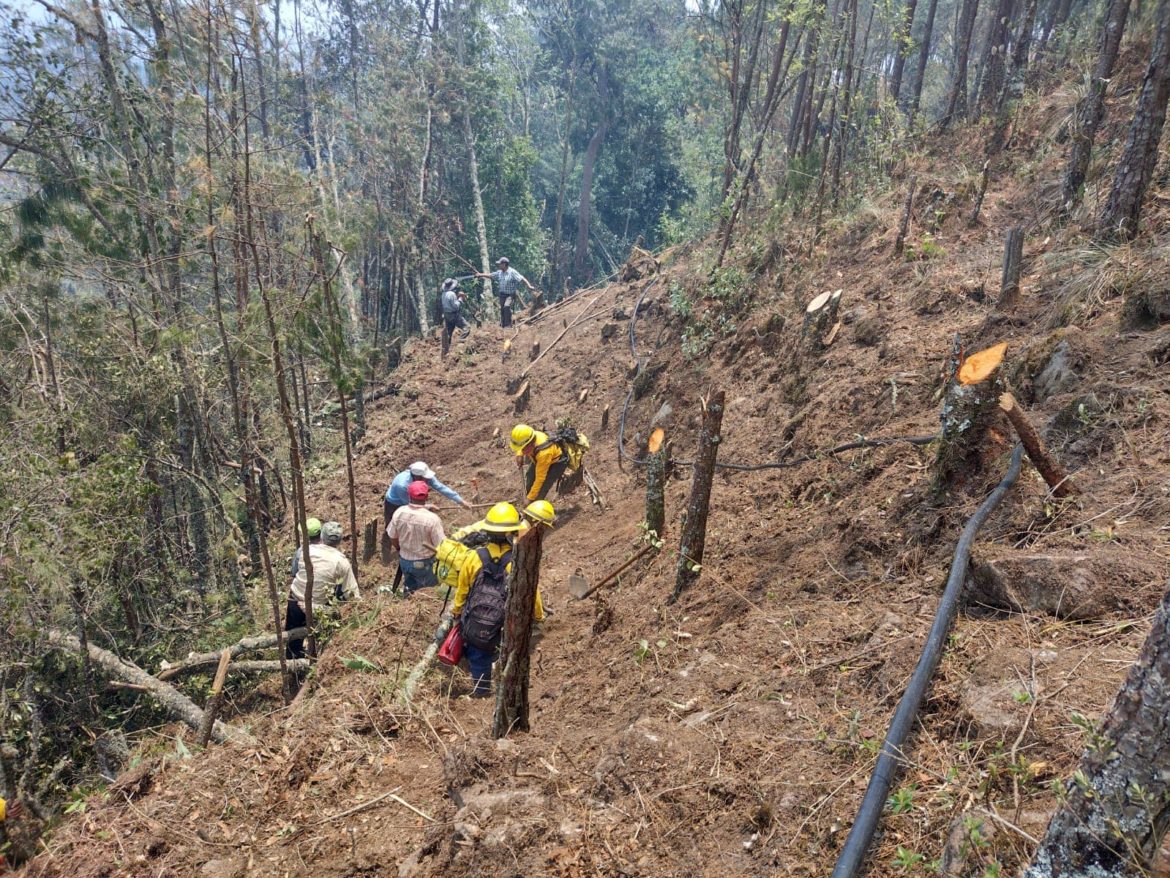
pixel 483 613
pixel 573 445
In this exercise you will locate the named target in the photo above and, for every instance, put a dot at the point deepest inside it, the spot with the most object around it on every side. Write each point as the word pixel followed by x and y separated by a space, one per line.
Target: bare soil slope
pixel 732 733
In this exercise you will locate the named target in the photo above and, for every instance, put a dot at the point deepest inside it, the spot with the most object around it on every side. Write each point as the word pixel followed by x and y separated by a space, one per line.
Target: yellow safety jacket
pixel 3 810
pixel 471 567
pixel 542 461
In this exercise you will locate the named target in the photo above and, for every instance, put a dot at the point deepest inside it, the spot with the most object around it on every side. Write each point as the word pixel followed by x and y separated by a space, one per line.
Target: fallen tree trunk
pixel 246 644
pixel 176 703
pixel 417 673
pixel 268 666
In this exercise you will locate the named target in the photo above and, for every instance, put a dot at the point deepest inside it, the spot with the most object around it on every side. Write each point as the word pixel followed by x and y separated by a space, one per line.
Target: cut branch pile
pixel 176 703
pixel 195 661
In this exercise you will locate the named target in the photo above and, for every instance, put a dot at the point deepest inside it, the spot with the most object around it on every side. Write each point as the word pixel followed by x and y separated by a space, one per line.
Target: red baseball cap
pixel 418 490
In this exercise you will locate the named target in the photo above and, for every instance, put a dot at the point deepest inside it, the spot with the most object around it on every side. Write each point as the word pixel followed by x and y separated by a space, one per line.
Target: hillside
pixel 732 733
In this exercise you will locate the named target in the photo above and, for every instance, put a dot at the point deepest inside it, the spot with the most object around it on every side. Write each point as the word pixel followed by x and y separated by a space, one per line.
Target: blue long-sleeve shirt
pixel 396 493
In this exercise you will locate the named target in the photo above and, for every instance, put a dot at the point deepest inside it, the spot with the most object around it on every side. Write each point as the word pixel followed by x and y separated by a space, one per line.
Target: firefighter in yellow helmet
pixel 481 591
pixel 547 459
pixel 541 512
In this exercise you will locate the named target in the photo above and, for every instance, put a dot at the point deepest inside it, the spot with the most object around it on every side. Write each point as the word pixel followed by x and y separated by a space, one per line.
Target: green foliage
pixel 906 860
pixel 359 663
pixel 902 801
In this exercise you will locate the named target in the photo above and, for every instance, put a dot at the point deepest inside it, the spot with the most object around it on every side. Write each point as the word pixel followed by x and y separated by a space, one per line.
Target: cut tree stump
pixel 656 483
pixel 605 418
pixel 1013 257
pixel 215 701
pixel 694 533
pixel 1054 474
pixel 583 395
pixel 983 179
pixel 820 318
pixel 512 686
pixel 904 226
pixel 968 410
pixel 175 702
pixel 520 399
pixel 370 539
pixel 534 352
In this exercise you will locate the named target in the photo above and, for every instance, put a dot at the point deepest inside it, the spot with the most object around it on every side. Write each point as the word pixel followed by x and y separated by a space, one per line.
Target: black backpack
pixel 475 539
pixel 483 614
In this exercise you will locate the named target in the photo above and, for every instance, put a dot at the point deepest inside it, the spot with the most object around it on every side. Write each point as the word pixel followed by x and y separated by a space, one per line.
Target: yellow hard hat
pixel 501 519
pixel 541 511
pixel 522 434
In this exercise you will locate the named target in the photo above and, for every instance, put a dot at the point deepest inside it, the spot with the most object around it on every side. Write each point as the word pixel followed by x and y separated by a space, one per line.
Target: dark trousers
pixel 451 322
pixel 555 473
pixel 479 662
pixel 294 617
pixel 506 311
pixel 388 510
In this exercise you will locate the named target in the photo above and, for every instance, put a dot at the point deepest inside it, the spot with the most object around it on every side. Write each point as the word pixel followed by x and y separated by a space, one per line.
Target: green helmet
pixel 313 526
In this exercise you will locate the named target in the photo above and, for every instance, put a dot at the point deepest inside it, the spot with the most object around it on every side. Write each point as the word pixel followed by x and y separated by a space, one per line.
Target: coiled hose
pixel 870 813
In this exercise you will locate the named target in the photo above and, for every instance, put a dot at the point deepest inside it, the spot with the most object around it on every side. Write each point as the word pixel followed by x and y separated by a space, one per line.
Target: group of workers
pixel 451 299
pixel 472 562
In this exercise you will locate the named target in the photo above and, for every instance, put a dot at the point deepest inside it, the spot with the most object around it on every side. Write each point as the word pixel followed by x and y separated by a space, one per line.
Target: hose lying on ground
pixel 857 844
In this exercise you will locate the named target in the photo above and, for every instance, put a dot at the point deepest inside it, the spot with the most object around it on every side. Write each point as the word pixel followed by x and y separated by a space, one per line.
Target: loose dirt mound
pixel 732 733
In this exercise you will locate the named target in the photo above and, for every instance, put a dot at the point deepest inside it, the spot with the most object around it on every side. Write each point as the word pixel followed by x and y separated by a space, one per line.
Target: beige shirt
pixel 418 531
pixel 330 570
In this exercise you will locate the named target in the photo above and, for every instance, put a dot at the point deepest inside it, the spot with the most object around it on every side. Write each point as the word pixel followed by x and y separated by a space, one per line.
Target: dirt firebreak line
pixel 870 813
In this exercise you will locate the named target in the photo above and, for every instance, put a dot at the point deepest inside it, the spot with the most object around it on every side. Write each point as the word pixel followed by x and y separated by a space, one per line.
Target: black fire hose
pixel 857 844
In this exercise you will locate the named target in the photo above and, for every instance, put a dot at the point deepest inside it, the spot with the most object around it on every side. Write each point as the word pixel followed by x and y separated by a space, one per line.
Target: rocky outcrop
pixel 1074 586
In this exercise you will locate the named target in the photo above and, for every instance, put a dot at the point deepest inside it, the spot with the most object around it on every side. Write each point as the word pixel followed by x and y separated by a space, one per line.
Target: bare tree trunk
pixel 994 65
pixel 1091 109
pixel 1140 156
pixel 957 99
pixel 923 58
pixel 844 120
pixel 694 533
pixel 740 90
pixel 512 687
pixel 589 163
pixel 902 44
pixel 1113 815
pixel 805 84
pixel 286 411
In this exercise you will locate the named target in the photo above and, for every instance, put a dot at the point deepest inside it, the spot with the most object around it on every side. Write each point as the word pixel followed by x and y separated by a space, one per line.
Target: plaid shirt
pixel 508 281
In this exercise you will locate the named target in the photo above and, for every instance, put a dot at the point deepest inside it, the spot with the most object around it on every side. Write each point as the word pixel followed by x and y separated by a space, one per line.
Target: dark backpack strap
pixel 490 564
pixel 554 440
